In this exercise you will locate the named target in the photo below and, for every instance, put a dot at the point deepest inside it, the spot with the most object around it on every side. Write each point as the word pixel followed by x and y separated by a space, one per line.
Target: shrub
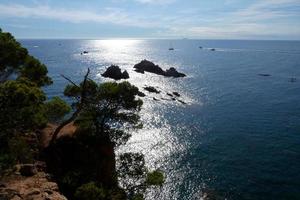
pixel 89 191
pixel 155 178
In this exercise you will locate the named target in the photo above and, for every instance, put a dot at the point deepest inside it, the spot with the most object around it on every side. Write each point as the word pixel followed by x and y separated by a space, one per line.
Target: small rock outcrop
pixel 141 94
pixel 174 73
pixel 176 94
pixel 264 74
pixel 27 169
pixel 152 89
pixel 115 72
pixel 148 66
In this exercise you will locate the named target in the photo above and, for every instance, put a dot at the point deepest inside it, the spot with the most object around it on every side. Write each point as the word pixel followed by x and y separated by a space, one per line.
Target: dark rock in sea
pixel 174 73
pixel 176 94
pixel 181 101
pixel 27 170
pixel 264 74
pixel 151 89
pixel 173 99
pixel 114 72
pixel 139 71
pixel 125 75
pixel 85 52
pixel 141 94
pixel 148 66
pixel 200 47
pixel 169 94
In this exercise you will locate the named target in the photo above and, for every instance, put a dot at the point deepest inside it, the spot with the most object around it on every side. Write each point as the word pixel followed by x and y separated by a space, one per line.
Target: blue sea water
pixel 238 136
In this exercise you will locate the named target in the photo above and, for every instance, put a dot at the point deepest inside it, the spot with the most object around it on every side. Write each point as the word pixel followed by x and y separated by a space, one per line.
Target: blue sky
pixel 205 19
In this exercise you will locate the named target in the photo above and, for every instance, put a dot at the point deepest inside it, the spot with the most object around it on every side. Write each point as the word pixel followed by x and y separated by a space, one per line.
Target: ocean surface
pixel 238 136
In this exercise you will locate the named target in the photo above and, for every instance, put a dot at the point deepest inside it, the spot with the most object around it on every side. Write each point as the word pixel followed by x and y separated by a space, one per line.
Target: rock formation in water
pixel 151 89
pixel 264 74
pixel 148 66
pixel 115 72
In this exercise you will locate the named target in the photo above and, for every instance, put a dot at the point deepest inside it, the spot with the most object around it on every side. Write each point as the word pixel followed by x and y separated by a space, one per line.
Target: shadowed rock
pixel 174 73
pixel 151 89
pixel 176 94
pixel 141 94
pixel 181 101
pixel 264 74
pixel 27 169
pixel 114 72
pixel 148 66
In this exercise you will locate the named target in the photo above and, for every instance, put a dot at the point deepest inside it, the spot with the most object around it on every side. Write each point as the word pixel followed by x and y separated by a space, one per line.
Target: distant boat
pixel 171 48
pixel 200 47
pixel 212 49
pixel 85 52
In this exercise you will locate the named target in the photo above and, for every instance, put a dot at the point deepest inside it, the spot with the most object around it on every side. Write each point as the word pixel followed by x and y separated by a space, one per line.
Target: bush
pixel 56 109
pixel 18 151
pixel 89 191
pixel 155 178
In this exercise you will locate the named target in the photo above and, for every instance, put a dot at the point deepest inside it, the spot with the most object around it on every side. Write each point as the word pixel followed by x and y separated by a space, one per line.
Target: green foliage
pixel 56 109
pixel 12 55
pixel 90 191
pixel 134 176
pixel 138 197
pixel 132 165
pixel 21 100
pixel 14 59
pixel 155 178
pixel 21 107
pixel 17 151
pixel 20 150
pixel 35 71
pixel 108 109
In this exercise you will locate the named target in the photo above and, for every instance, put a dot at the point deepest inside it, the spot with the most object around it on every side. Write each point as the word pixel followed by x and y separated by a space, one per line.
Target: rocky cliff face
pixel 29 183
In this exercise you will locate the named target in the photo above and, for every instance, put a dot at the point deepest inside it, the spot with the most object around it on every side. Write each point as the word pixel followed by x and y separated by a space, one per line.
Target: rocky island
pixel 147 66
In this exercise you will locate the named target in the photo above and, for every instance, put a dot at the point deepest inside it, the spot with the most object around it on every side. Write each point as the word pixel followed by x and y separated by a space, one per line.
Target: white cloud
pixel 261 19
pixel 114 16
pixel 159 2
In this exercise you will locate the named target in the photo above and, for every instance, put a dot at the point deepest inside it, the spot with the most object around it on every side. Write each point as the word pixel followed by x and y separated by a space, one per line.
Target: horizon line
pixel 146 38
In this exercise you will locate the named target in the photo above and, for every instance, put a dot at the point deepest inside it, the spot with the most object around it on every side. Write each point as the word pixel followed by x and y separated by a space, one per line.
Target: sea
pixel 234 132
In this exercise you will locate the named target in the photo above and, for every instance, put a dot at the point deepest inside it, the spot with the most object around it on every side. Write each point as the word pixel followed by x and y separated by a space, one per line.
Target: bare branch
pixel 79 108
pixel 69 80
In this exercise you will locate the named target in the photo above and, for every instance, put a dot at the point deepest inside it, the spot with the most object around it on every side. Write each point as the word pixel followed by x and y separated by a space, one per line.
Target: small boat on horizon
pixel 171 48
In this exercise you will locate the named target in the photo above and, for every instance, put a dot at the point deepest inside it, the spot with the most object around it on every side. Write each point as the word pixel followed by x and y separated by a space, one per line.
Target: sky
pixel 201 19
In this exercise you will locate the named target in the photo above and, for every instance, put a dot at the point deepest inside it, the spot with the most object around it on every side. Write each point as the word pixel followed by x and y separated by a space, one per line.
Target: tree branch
pixel 79 108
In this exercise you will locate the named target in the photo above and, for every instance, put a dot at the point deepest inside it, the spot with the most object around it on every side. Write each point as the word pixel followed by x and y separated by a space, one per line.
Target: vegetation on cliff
pixel 83 164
